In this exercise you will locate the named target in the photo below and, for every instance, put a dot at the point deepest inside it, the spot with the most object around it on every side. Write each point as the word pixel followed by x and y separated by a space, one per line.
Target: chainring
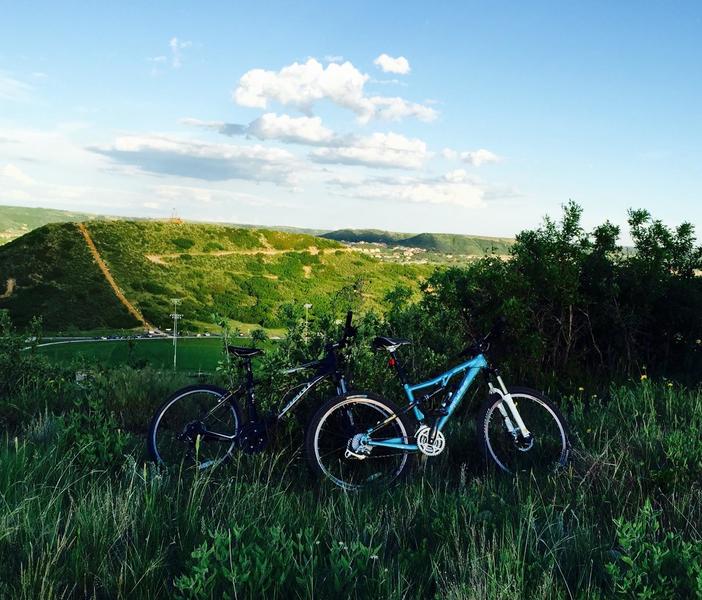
pixel 253 437
pixel 426 445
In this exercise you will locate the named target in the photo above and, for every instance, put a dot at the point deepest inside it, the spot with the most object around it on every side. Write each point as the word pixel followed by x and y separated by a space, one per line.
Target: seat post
pixel 398 368
pixel 250 396
pixel 249 374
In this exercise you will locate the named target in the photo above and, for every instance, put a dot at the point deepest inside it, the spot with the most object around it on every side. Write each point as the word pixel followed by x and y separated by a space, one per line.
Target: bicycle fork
pixel 508 410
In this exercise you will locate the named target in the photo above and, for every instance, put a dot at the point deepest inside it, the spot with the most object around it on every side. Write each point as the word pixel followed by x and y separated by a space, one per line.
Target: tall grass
pixel 625 518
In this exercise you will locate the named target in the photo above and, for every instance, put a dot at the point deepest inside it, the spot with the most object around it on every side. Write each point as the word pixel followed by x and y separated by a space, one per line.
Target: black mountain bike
pixel 202 425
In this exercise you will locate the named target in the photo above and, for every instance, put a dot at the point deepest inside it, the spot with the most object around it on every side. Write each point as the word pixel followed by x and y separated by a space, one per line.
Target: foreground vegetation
pixel 83 514
pixel 610 335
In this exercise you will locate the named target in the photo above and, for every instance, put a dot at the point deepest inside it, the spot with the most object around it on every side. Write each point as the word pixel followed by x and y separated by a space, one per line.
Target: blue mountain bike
pixel 358 439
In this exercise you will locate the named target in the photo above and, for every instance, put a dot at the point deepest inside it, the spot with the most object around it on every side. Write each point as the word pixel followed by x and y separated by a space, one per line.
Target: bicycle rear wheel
pixel 181 429
pixel 336 428
pixel 549 446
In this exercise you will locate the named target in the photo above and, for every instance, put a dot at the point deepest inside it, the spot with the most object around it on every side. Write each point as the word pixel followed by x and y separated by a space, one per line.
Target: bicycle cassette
pixel 427 447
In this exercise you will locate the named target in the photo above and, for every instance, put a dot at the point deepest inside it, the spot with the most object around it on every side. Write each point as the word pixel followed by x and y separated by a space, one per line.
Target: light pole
pixel 175 315
pixel 307 308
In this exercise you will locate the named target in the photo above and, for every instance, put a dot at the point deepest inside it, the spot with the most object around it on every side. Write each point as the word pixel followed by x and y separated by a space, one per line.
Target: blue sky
pixel 467 117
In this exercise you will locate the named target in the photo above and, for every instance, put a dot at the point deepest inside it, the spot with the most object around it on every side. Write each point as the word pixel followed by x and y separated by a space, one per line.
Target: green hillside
pixel 447 243
pixel 373 236
pixel 50 272
pixel 243 274
pixel 18 220
pixel 458 244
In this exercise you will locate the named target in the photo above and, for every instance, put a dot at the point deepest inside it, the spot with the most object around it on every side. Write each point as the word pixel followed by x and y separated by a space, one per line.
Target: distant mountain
pixel 18 220
pixel 447 243
pixel 375 236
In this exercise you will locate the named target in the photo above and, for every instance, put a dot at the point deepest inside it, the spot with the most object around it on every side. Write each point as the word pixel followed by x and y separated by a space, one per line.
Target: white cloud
pixel 13 89
pixel 449 154
pixel 396 109
pixel 377 150
pixel 455 188
pixel 176 56
pixel 300 130
pixel 270 126
pixel 479 157
pixel 303 84
pixel 180 194
pixel 388 64
pixel 16 174
pixel 202 160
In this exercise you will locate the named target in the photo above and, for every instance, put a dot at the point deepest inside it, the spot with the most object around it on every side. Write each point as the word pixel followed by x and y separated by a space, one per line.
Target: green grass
pixel 625 520
pixel 194 355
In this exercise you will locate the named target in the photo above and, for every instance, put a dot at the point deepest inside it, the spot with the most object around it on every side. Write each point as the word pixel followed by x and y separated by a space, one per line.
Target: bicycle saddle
pixel 244 352
pixel 389 344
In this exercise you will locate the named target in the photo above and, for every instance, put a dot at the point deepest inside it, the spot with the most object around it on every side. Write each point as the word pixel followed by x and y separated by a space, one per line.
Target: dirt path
pixel 10 288
pixel 108 276
pixel 160 259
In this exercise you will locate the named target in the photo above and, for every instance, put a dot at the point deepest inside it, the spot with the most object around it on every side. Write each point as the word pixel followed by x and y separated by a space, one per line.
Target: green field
pixel 194 355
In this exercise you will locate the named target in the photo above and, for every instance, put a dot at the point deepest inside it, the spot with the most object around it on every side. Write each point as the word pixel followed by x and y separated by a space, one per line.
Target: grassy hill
pixel 244 274
pixel 373 236
pixel 18 220
pixel 447 243
pixel 450 243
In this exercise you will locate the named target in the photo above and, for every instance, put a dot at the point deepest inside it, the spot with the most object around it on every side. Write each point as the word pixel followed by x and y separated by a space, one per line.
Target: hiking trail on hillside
pixel 133 310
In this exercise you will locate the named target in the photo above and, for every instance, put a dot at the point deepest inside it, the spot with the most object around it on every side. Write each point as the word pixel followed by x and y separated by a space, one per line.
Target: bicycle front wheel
pixel 196 428
pixel 547 449
pixel 333 442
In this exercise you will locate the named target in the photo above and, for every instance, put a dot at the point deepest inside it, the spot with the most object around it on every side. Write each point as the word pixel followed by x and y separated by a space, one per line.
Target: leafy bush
pixel 653 563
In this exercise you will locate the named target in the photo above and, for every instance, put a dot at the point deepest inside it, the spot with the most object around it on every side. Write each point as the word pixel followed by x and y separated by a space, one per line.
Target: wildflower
pixel 644 377
pixel 588 430
pixel 670 384
pixel 374 557
pixel 581 389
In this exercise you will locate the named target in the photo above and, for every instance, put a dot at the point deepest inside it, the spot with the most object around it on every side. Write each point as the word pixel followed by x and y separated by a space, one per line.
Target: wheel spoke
pixel 377 466
pixel 547 447
pixel 181 432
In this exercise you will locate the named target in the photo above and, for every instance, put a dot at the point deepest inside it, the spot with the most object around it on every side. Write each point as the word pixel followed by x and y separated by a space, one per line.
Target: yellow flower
pixel 644 377
pixel 589 430
pixel 670 384
pixel 581 389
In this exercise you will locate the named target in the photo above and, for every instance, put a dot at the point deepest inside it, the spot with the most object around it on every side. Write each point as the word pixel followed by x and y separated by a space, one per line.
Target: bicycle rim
pixel 548 450
pixel 343 421
pixel 176 436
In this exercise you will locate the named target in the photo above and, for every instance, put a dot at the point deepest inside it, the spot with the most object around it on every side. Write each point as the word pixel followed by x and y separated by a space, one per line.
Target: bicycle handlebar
pixel 483 345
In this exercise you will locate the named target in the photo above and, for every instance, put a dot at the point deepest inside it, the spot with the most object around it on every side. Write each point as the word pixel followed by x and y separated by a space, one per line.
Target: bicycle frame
pixel 471 369
pixel 325 370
